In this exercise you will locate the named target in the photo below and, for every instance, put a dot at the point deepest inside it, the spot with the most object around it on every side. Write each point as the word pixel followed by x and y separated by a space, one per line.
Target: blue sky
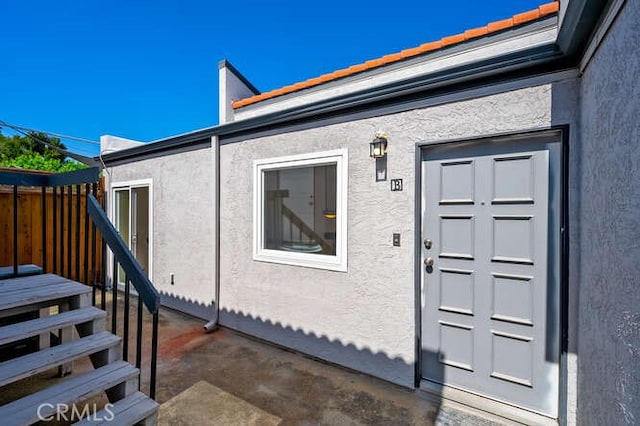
pixel 146 70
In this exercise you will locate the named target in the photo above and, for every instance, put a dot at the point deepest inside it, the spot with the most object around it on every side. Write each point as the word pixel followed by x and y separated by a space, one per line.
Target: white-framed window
pixel 300 210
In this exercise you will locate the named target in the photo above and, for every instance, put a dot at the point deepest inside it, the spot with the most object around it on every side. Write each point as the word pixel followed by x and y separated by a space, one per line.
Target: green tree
pixel 39 143
pixel 34 152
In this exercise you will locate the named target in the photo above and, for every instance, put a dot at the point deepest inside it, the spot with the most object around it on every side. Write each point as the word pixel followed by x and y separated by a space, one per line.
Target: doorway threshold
pixel 479 406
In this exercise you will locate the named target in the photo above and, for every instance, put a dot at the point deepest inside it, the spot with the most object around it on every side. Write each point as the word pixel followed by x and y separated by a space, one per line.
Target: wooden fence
pixel 73 244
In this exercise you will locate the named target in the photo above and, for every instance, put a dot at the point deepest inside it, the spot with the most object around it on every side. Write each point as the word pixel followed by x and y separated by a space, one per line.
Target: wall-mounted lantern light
pixel 378 147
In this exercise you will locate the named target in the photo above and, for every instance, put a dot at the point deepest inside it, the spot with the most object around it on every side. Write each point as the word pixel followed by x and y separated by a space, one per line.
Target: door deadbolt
pixel 428 243
pixel 428 262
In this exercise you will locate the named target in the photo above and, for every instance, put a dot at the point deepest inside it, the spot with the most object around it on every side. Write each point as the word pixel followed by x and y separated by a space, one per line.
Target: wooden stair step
pixel 37 362
pixel 23 270
pixel 11 299
pixel 128 411
pixel 43 404
pixel 22 283
pixel 23 330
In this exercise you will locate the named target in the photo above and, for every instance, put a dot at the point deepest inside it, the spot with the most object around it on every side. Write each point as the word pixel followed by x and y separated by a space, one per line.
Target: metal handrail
pixel 306 229
pixel 132 269
pixel 134 274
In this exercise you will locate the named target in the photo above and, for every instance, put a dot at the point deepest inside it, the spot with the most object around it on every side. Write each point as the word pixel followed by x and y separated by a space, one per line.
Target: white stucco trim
pixel 335 263
pixel 231 88
pixel 109 143
pixel 112 216
pixel 534 38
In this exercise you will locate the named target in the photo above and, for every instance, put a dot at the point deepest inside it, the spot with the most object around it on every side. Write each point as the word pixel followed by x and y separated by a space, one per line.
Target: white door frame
pixel 561 167
pixel 131 184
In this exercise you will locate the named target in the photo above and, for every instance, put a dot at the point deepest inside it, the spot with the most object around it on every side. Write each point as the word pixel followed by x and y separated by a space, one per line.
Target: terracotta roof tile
pixel 476 32
pixel 313 81
pixel 357 68
pixel 500 25
pixel 341 73
pixel 526 17
pixel 519 19
pixel 454 39
pixel 392 58
pixel 373 63
pixel 549 8
pixel 406 53
pixel 428 47
pixel 326 77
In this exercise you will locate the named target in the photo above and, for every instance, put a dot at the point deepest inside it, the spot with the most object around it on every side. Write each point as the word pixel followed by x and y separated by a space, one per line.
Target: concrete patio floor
pixel 229 378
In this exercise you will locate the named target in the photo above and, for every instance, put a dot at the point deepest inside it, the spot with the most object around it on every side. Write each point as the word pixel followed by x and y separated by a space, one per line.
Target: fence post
pixel 44 229
pixel 15 230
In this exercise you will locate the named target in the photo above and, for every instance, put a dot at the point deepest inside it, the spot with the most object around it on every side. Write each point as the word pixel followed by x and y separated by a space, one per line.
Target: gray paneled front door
pixel 490 296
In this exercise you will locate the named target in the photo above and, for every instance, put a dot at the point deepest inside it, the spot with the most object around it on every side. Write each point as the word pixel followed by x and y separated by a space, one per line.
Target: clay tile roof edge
pixel 493 27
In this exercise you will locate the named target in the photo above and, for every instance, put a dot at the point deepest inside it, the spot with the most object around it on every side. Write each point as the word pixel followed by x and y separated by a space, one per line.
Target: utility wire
pixel 81 158
pixel 57 135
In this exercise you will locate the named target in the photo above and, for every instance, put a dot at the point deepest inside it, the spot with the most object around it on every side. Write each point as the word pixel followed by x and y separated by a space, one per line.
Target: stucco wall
pixel 183 230
pixel 363 318
pixel 609 345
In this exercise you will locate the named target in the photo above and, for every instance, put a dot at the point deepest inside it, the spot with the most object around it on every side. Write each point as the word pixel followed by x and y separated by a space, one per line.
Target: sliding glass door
pixel 132 220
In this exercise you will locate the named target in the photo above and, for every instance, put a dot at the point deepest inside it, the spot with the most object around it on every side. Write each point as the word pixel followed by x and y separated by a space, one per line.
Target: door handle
pixel 428 262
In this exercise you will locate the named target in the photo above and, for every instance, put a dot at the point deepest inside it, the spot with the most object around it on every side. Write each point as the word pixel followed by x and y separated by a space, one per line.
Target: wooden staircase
pixel 81 331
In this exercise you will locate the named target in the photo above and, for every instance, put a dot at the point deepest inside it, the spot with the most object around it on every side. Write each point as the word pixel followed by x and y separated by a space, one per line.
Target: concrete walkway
pixel 227 378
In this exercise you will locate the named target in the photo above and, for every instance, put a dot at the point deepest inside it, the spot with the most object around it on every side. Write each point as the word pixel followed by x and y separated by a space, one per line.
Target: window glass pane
pixel 300 209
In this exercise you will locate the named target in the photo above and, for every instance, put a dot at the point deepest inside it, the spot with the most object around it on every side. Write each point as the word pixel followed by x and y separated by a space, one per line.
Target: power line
pixel 47 144
pixel 57 135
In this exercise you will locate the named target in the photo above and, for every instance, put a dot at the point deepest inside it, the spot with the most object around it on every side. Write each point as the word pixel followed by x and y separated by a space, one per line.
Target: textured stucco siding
pixel 609 342
pixel 565 111
pixel 183 229
pixel 363 318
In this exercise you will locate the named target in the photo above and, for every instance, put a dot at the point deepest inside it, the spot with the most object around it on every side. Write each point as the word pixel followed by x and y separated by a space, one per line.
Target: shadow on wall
pixel 189 306
pixel 602 307
pixel 378 364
